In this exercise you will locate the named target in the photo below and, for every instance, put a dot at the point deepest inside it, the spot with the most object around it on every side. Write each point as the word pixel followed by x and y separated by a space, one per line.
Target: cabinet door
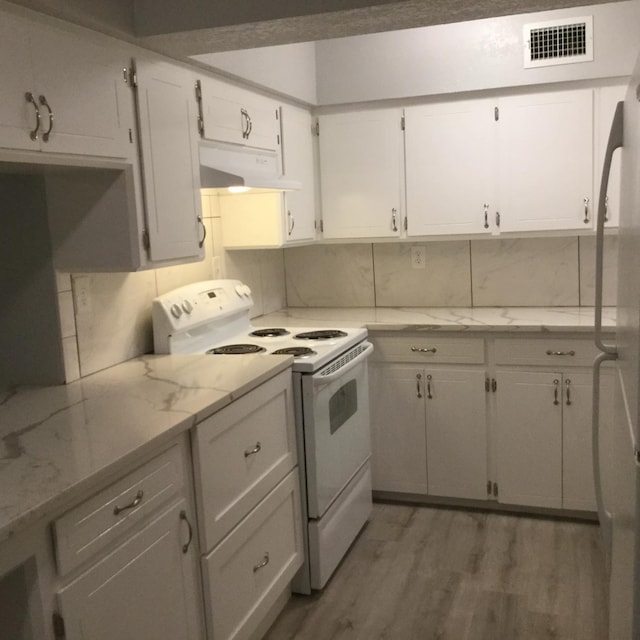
pixel 608 98
pixel 298 164
pixel 238 116
pixel 451 168
pixel 17 115
pixel 529 438
pixel 578 490
pixel 545 164
pixel 456 433
pixel 84 87
pixel 146 588
pixel 398 436
pixel 361 174
pixel 170 162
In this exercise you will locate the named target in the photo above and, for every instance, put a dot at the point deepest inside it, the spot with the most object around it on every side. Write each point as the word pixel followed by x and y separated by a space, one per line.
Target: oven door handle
pixel 320 379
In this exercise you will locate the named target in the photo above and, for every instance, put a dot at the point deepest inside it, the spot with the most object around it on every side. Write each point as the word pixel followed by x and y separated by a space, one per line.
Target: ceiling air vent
pixel 558 42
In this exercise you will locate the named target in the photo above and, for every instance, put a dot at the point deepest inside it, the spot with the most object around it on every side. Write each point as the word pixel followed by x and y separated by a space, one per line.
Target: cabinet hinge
pixel 496 114
pixel 495 489
pixel 494 385
pixel 132 76
pixel 200 119
pixel 402 123
pixel 58 626
pixel 146 243
pixel 316 128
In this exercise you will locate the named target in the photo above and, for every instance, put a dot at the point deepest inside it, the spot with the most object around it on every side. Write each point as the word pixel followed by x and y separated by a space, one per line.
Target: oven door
pixel 337 435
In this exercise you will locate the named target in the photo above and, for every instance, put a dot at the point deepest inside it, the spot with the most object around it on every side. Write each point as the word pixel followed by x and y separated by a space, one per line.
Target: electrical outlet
pixel 418 258
pixel 81 294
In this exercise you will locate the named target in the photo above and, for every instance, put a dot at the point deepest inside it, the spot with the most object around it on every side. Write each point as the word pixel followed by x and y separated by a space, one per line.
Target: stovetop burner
pixel 236 349
pixel 272 332
pixel 321 334
pixel 297 352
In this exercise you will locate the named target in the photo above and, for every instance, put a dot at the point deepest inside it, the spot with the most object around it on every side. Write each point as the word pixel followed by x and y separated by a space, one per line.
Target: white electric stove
pixel 332 405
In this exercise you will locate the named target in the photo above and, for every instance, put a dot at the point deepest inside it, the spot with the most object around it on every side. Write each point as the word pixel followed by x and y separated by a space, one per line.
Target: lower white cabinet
pixel 145 588
pixel 127 558
pixel 429 430
pixel 248 497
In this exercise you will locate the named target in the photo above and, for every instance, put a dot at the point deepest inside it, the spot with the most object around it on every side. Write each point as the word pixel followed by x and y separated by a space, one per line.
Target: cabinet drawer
pixel 249 569
pixel 94 524
pixel 545 351
pixel 428 348
pixel 241 453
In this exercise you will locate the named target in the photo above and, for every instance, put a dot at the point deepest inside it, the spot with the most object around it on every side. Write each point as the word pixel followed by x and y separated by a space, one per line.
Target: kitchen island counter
pixel 57 443
pixel 475 319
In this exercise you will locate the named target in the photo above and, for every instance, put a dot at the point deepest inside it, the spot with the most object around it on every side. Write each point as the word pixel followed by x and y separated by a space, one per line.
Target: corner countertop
pixel 59 442
pixel 487 319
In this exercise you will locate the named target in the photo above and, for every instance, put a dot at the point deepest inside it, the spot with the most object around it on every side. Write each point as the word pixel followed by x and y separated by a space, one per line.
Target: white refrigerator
pixel 617 465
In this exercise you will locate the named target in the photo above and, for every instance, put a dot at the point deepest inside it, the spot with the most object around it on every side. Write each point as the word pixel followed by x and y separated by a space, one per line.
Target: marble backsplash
pixel 532 272
pixel 115 325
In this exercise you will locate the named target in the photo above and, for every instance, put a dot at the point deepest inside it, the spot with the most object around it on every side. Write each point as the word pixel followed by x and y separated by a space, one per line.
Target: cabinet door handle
pixel 44 103
pixel 187 544
pixel 561 353
pixel 429 387
pixel 555 391
pixel 29 97
pixel 263 563
pixel 486 216
pixel 204 232
pixel 252 452
pixel 292 222
pixel 132 505
pixel 567 386
pixel 394 219
pixel 424 349
pixel 248 125
pixel 418 388
pixel 586 211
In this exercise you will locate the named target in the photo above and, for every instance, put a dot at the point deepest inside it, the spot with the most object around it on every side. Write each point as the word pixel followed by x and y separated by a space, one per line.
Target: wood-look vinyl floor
pixel 422 573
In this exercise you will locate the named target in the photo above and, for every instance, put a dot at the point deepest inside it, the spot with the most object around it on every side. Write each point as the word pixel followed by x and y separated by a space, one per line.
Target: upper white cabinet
pixel 167 115
pixel 61 93
pixel 545 176
pixel 362 174
pixel 298 163
pixel 451 168
pixel 234 115
pixel 606 100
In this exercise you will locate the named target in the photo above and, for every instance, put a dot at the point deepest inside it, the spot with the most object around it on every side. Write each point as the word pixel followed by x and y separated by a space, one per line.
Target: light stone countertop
pixel 487 319
pixel 57 443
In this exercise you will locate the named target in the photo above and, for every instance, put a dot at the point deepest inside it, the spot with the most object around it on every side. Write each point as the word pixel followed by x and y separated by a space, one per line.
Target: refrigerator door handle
pixel 614 142
pixel 604 516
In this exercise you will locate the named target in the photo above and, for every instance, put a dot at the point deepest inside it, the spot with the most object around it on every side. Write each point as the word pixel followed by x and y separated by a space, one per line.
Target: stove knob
pixel 176 311
pixel 187 307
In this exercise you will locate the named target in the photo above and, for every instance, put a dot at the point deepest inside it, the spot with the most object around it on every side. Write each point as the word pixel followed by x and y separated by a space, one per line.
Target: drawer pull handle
pixel 561 353
pixel 132 505
pixel 251 452
pixel 424 349
pixel 183 516
pixel 264 563
pixel 555 391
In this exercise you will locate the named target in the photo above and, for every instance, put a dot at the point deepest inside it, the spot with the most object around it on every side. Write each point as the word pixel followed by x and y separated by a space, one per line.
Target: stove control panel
pixel 196 305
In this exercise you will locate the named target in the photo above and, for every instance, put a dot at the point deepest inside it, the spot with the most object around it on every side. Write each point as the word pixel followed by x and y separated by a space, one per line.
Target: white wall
pixel 467 56
pixel 288 69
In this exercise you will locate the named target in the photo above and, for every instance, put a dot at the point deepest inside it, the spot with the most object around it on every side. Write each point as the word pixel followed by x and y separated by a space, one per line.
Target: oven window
pixel 343 404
